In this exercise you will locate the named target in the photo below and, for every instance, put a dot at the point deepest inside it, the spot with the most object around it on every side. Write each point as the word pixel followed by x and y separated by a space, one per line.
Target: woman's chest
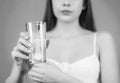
pixel 69 50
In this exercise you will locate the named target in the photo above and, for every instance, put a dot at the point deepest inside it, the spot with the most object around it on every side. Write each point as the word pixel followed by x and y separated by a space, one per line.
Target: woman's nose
pixel 66 3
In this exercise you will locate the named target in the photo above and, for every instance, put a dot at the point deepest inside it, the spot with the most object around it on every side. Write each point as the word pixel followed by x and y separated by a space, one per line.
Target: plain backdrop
pixel 15 13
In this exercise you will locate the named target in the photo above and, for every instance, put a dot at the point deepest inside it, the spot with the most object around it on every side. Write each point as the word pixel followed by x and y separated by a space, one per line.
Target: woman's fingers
pixel 36 79
pixel 24 35
pixel 19 57
pixel 36 76
pixel 37 69
pixel 22 49
pixel 16 55
pixel 24 42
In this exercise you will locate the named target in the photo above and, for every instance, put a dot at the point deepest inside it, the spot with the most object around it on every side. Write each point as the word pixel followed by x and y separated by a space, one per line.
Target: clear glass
pixel 37 35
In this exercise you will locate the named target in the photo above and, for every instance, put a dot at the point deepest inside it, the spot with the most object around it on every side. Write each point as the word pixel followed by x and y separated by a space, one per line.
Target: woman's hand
pixel 46 72
pixel 21 51
pixel 20 55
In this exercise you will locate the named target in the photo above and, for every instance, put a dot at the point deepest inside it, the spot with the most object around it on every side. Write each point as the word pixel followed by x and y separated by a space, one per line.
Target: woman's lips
pixel 66 12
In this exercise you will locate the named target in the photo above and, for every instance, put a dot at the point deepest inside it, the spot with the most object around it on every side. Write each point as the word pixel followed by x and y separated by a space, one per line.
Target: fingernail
pixel 27 37
pixel 29 51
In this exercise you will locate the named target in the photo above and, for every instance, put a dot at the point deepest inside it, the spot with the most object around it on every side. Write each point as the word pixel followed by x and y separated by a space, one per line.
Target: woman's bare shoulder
pixel 106 44
pixel 104 37
pixel 105 40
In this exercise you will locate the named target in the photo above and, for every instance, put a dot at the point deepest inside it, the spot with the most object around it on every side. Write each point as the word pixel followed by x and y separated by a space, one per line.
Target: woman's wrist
pixel 16 70
pixel 15 75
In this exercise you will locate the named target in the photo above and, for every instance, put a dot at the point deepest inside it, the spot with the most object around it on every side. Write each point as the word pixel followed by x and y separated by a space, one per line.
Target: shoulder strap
pixel 95 43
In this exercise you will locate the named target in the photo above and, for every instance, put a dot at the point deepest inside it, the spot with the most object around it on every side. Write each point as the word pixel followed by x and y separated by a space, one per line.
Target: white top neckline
pixel 86 69
pixel 81 60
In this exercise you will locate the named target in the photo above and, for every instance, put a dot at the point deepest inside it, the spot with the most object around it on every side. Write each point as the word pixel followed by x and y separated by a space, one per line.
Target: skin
pixel 75 5
pixel 63 34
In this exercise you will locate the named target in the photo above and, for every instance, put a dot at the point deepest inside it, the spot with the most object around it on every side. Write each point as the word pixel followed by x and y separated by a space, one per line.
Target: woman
pixel 76 53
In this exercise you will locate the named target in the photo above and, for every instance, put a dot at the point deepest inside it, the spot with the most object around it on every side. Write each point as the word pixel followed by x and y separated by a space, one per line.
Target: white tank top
pixel 86 70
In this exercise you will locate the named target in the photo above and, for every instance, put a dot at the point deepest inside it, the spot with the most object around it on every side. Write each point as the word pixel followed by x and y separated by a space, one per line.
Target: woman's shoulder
pixel 104 36
pixel 105 41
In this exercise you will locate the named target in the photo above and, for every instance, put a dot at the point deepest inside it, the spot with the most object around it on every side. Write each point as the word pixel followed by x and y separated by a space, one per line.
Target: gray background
pixel 14 13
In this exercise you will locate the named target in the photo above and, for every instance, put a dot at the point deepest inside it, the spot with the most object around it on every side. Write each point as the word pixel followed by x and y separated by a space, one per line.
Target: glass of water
pixel 37 35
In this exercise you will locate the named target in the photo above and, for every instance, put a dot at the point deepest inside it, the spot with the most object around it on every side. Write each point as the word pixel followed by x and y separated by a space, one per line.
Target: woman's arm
pixel 109 59
pixel 15 75
pixel 69 79
pixel 50 73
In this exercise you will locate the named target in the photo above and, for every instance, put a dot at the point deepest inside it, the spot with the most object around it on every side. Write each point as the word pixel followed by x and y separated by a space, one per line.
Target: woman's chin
pixel 66 19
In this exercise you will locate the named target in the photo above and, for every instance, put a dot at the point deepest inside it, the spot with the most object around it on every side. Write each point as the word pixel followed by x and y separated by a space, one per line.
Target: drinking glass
pixel 37 36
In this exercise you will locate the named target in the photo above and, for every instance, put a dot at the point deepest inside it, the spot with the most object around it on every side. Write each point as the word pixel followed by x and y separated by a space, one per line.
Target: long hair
pixel 86 19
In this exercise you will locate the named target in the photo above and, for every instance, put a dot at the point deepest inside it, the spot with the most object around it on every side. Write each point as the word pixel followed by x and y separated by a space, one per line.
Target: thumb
pixel 54 63
pixel 50 61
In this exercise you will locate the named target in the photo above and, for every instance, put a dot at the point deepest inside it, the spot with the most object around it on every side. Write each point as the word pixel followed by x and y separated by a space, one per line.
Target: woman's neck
pixel 69 29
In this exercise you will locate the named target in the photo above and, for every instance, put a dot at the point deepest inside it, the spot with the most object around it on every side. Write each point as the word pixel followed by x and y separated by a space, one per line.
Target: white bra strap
pixel 95 43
